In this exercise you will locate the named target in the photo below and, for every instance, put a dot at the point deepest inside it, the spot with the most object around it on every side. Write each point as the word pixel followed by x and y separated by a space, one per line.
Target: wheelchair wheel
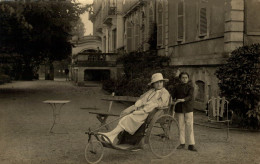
pixel 163 136
pixel 94 152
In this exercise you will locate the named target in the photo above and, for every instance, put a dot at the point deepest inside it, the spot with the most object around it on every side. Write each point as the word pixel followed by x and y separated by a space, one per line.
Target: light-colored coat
pixel 147 102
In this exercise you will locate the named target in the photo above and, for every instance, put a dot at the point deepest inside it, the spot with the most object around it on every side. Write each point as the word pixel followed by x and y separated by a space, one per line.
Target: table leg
pixel 55 115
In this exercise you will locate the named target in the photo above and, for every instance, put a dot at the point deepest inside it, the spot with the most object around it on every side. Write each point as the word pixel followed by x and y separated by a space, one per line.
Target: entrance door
pixel 96 75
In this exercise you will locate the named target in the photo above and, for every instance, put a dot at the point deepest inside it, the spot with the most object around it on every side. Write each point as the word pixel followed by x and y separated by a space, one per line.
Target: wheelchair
pixel 160 131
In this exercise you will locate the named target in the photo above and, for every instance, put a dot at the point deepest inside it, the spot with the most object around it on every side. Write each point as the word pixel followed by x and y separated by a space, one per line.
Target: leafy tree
pixel 78 29
pixel 37 31
pixel 240 83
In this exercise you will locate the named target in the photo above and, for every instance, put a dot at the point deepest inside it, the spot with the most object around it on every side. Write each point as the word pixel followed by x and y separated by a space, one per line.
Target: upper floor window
pixel 160 25
pixel 180 28
pixel 203 19
pixel 137 33
pixel 151 21
pixel 114 40
pixel 143 27
pixel 129 35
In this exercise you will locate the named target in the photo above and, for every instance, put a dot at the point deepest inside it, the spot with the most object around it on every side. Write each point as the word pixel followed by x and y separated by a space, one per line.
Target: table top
pixel 56 101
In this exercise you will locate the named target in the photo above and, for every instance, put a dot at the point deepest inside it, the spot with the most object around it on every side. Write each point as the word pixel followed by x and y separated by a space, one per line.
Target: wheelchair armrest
pixel 162 108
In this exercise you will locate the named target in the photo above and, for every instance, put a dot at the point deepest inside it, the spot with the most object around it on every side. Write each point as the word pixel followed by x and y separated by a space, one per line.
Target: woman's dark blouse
pixel 183 91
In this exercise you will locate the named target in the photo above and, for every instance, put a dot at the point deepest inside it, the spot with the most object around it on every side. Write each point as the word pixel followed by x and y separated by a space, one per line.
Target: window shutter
pixel 137 28
pixel 143 27
pixel 180 8
pixel 160 25
pixel 180 26
pixel 114 39
pixel 150 22
pixel 129 36
pixel 203 21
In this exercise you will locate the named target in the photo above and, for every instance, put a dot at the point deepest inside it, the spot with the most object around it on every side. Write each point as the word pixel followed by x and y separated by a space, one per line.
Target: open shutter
pixel 151 21
pixel 129 37
pixel 203 23
pixel 143 28
pixel 180 21
pixel 137 33
pixel 160 25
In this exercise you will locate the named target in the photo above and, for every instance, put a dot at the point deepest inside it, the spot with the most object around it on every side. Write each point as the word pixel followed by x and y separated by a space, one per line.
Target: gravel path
pixel 25 122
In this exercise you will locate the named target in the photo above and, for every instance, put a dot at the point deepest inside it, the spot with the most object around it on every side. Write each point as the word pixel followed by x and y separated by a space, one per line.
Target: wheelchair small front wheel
pixel 94 152
pixel 163 136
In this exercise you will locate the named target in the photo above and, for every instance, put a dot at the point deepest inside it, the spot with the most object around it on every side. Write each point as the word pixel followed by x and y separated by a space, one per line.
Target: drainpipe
pixel 244 30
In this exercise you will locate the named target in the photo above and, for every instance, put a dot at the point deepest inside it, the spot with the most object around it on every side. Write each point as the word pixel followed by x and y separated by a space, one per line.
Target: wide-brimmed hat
pixel 157 77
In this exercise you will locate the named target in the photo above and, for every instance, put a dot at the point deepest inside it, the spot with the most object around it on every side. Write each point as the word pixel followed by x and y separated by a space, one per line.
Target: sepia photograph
pixel 129 81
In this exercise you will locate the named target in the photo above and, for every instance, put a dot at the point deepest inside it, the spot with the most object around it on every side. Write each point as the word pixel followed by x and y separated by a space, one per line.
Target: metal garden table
pixel 56 106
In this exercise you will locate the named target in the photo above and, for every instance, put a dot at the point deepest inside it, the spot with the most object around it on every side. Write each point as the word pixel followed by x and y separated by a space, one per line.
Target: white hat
pixel 157 77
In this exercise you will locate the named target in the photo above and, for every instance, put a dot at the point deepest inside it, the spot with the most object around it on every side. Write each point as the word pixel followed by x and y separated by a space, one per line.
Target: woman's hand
pixel 180 100
pixel 138 103
pixel 138 112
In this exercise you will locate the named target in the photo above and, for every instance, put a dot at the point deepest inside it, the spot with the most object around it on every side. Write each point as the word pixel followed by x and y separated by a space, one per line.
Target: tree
pixel 78 29
pixel 37 31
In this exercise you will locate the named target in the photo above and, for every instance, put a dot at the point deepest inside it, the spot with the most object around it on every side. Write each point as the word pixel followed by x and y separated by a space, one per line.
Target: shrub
pixel 139 67
pixel 4 79
pixel 135 63
pixel 240 83
pixel 138 85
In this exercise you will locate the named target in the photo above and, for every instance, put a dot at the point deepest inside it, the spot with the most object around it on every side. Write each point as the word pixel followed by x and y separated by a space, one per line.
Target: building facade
pixel 198 35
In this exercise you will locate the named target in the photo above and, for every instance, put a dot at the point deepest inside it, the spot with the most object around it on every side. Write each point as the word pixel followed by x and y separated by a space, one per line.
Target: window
pixel 105 43
pixel 203 22
pixel 114 40
pixel 180 27
pixel 151 21
pixel 143 27
pixel 129 35
pixel 137 33
pixel 200 96
pixel 160 25
pixel 203 18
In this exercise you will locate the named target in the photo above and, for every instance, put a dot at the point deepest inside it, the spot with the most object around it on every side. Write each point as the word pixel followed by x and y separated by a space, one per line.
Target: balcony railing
pixel 96 64
pixel 95 60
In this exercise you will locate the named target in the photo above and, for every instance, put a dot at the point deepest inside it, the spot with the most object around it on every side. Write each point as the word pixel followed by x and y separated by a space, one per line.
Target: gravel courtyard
pixel 25 121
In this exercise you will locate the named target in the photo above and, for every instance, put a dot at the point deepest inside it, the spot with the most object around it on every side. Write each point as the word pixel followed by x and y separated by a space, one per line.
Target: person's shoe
pixel 181 146
pixel 192 148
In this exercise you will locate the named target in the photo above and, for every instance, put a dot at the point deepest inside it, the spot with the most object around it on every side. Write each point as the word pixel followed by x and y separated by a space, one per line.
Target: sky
pixel 84 18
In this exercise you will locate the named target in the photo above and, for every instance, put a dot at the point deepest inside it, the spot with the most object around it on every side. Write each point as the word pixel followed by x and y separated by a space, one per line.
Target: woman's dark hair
pixel 184 73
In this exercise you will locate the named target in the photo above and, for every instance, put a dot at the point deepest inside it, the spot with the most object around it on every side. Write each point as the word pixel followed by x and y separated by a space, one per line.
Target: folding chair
pixel 216 109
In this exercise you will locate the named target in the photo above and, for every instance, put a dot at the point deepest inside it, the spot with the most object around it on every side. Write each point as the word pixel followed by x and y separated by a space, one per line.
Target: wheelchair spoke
pixel 163 140
pixel 94 152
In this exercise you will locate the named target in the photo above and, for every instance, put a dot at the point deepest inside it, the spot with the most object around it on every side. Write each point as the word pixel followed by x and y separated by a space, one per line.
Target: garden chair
pixel 218 112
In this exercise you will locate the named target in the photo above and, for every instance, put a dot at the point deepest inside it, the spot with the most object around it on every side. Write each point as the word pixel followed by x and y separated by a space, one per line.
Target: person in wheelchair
pixel 136 114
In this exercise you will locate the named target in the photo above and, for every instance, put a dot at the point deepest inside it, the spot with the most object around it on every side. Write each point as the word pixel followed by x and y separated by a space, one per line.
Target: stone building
pixel 198 35
pixel 99 62
pixel 202 34
pixel 107 22
pixel 82 47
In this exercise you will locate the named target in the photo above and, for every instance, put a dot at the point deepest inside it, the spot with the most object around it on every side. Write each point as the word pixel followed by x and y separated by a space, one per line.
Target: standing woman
pixel 158 96
pixel 183 94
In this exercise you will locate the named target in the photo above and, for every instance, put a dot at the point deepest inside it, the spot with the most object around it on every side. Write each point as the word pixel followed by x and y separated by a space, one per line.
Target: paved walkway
pixel 25 122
